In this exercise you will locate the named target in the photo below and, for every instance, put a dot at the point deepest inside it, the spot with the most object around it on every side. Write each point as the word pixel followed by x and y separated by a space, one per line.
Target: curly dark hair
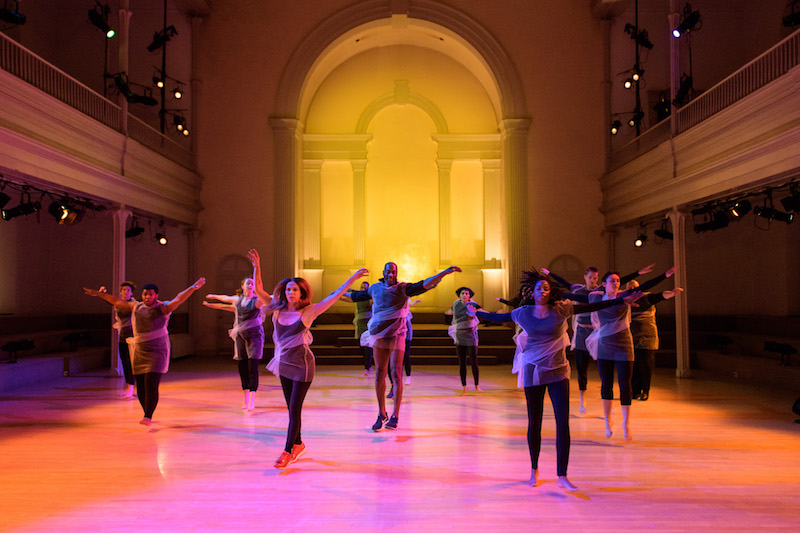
pixel 529 280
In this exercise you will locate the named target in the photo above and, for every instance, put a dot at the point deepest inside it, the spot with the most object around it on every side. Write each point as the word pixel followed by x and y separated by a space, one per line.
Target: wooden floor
pixel 706 456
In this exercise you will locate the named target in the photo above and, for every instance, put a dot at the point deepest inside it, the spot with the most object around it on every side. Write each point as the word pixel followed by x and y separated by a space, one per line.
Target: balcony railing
pixel 766 68
pixel 26 65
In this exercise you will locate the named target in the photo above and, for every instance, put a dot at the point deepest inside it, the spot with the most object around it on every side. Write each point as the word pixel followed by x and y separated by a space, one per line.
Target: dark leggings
pixel 643 365
pixel 295 393
pixel 559 396
pixel 248 372
pixel 366 351
pixel 125 359
pixel 605 368
pixel 463 352
pixel 582 359
pixel 147 391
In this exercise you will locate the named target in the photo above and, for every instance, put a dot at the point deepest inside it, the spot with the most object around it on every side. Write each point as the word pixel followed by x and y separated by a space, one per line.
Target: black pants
pixel 147 391
pixel 366 351
pixel 605 368
pixel 295 394
pixel 463 352
pixel 559 396
pixel 582 359
pixel 248 372
pixel 125 359
pixel 643 364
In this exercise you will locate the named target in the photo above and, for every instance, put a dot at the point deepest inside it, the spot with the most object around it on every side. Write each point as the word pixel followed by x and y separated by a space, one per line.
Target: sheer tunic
pixel 123 322
pixel 296 360
pixel 388 327
pixel 543 358
pixel 150 338
pixel 464 329
pixel 248 330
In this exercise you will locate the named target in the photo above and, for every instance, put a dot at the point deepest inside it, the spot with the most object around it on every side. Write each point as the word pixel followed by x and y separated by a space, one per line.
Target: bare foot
pixel 464 391
pixel 127 394
pixel 565 484
pixel 478 389
pixel 146 421
pixel 534 480
pixel 582 410
pixel 626 433
pixel 608 428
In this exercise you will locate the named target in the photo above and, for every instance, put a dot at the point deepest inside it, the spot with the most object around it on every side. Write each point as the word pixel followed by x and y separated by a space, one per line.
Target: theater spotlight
pixel 135 230
pixel 23 209
pixel 615 126
pixel 714 221
pixel 771 213
pixel 146 98
pixel 4 199
pixel 684 90
pixel 177 93
pixel 11 14
pixel 65 212
pixel 640 36
pixel 161 238
pixel 663 232
pixel 740 209
pixel 636 119
pixel 158 82
pixel 792 202
pixel 628 83
pixel 160 38
pixel 689 22
pixel 641 239
pixel 99 17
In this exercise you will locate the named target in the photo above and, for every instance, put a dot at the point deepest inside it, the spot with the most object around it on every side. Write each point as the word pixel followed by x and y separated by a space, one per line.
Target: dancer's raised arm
pixel 324 305
pixel 219 306
pixel 182 296
pixel 110 298
pixel 433 281
pixel 263 296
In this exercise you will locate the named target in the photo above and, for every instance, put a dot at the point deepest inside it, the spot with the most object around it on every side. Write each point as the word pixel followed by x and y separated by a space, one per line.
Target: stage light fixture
pixel 740 209
pixel 689 22
pixel 158 82
pixel 4 199
pixel 771 213
pixel 99 17
pixel 685 88
pixel 177 93
pixel 615 126
pixel 793 18
pixel 628 83
pixel 792 202
pixel 160 38
pixel 641 238
pixel 640 36
pixel 715 220
pixel 161 238
pixel 11 14
pixel 636 119
pixel 135 230
pixel 124 88
pixel 663 232
pixel 637 74
pixel 23 209
pixel 65 212
pixel 145 99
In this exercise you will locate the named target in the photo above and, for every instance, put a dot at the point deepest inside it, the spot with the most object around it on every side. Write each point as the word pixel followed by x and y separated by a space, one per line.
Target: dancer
pixel 645 339
pixel 542 364
pixel 292 316
pixel 464 331
pixel 247 334
pixel 387 332
pixel 360 320
pixel 611 344
pixel 122 323
pixel 150 339
pixel 407 352
pixel 582 323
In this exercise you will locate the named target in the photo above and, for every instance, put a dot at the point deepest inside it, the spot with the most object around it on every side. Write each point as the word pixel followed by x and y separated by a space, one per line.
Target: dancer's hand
pixel 632 297
pixel 199 283
pixel 544 271
pixel 452 269
pixel 253 256
pixel 92 292
pixel 671 271
pixel 647 269
pixel 671 294
pixel 472 308
pixel 102 288
pixel 361 273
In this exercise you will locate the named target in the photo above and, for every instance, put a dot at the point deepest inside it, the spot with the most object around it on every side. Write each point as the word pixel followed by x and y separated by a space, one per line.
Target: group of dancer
pixel 540 361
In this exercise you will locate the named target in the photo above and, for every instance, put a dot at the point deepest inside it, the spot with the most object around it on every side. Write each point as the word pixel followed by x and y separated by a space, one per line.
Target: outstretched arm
pixel 325 304
pixel 222 298
pixel 558 279
pixel 653 282
pixel 110 298
pixel 628 299
pixel 182 296
pixel 263 296
pixel 219 306
pixel 433 281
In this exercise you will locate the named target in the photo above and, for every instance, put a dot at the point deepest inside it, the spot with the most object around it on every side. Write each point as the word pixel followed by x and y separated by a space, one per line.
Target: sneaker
pixel 392 423
pixel 284 460
pixel 408 380
pixel 298 451
pixel 391 393
pixel 378 425
pixel 644 396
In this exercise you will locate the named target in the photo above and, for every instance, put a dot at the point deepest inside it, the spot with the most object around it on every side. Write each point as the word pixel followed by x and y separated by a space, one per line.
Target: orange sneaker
pixel 298 451
pixel 284 460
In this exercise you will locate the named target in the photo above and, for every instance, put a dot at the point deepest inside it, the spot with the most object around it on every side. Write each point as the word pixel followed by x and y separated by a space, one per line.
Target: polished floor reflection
pixel 705 456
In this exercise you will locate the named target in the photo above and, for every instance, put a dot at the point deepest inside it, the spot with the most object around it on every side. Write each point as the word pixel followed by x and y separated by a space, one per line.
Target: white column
pixel 514 148
pixel 445 230
pixel 119 222
pixel 678 220
pixel 359 167
pixel 287 134
pixel 312 209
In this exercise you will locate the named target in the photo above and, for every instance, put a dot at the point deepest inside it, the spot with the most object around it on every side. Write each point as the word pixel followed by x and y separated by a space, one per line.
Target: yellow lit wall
pixel 466 213
pixel 336 188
